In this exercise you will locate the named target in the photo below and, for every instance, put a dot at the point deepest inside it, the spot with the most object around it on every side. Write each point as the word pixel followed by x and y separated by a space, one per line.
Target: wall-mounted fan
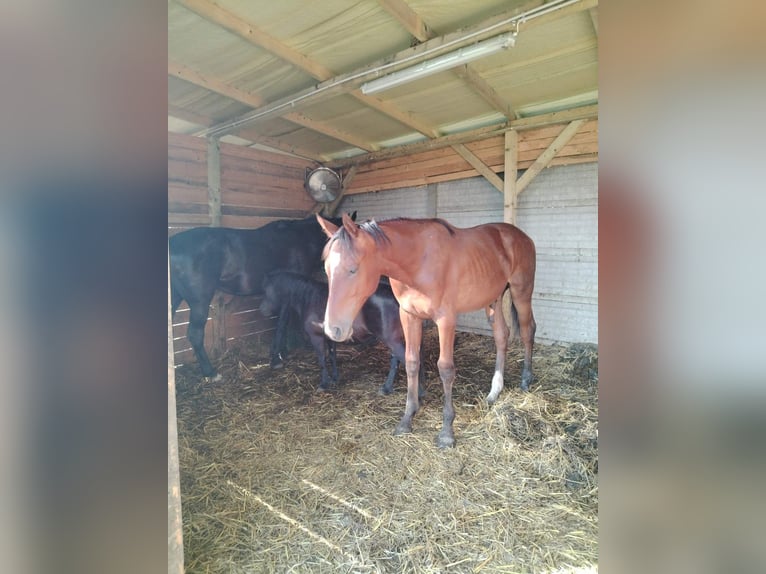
pixel 323 184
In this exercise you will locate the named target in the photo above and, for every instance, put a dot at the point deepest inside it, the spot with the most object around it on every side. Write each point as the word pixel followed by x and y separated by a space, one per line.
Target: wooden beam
pixel 350 81
pixel 414 24
pixel 297 151
pixel 583 112
pixel 245 30
pixel 328 130
pixel 407 17
pixel 191 117
pixel 511 159
pixel 481 87
pixel 479 166
pixel 254 101
pixel 250 135
pixel 563 116
pixel 546 157
pixel 390 110
pixel 257 37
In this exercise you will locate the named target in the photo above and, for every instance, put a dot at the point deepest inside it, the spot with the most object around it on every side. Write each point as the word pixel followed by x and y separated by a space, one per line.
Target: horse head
pixel 353 274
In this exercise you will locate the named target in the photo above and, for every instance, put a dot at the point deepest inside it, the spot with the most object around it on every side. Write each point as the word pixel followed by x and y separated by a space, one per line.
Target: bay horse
pixel 204 260
pixel 378 320
pixel 436 271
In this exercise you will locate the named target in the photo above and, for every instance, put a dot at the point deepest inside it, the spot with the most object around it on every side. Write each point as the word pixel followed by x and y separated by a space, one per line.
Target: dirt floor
pixel 276 477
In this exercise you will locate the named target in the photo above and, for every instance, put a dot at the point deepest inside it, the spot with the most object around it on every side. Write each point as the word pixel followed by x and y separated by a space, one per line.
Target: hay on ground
pixel 276 477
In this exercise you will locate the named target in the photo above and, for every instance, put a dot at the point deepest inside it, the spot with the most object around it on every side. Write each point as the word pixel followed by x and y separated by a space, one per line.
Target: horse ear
pixel 327 226
pixel 351 227
pixel 353 216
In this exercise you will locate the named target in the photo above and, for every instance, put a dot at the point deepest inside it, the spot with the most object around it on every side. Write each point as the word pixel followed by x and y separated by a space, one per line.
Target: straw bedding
pixel 276 477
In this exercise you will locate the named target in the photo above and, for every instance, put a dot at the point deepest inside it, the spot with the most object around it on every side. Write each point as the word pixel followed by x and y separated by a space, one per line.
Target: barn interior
pixel 471 111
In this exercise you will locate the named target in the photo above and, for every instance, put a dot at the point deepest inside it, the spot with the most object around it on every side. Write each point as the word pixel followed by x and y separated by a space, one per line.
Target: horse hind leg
pixel 522 305
pixel 196 335
pixel 501 333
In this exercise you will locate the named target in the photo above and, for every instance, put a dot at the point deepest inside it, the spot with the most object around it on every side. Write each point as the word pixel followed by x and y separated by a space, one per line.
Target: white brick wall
pixel 559 210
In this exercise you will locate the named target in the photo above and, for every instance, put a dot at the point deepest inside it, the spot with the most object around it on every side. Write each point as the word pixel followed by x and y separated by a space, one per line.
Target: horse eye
pixel 353 271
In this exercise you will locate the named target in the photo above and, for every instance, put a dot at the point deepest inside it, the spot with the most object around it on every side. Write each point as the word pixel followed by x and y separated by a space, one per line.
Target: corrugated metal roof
pixel 235 57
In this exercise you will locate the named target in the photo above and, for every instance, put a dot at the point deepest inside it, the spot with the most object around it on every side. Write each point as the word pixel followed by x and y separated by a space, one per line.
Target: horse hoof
pixel 491 400
pixel 383 391
pixel 402 429
pixel 321 389
pixel 445 441
pixel 277 366
pixel 217 378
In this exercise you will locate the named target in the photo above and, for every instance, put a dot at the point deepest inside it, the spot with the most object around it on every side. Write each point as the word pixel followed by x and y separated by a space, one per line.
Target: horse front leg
pixel 501 333
pixel 278 339
pixel 413 334
pixel 446 365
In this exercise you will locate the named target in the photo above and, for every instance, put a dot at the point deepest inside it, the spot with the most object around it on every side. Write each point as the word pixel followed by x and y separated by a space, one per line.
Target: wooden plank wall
pixel 256 187
pixel 446 165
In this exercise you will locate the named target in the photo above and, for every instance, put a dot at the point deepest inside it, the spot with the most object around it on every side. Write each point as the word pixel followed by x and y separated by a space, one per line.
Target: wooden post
pixel 432 199
pixel 509 197
pixel 218 315
pixel 511 170
pixel 214 181
pixel 544 159
pixel 175 522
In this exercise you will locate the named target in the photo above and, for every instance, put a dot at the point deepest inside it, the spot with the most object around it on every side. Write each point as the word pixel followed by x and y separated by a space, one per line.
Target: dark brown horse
pixel 204 260
pixel 436 272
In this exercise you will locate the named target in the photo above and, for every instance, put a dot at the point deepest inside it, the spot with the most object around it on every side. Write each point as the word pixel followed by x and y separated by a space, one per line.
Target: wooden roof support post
pixel 510 194
pixel 479 166
pixel 214 209
pixel 545 158
pixel 214 181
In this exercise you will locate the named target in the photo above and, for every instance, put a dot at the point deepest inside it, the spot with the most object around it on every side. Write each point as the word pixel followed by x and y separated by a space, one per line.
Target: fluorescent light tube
pixel 445 62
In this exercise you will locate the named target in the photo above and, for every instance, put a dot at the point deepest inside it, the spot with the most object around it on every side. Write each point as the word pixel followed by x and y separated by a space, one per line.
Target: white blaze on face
pixel 333 260
pixel 331 266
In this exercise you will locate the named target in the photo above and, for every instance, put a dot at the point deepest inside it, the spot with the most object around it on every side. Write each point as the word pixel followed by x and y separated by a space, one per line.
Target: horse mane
pixel 373 229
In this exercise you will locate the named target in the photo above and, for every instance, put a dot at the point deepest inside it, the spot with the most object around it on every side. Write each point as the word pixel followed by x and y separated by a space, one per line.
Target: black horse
pixel 307 298
pixel 206 259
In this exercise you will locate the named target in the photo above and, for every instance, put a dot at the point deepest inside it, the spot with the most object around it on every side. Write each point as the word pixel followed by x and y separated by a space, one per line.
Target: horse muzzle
pixel 337 333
